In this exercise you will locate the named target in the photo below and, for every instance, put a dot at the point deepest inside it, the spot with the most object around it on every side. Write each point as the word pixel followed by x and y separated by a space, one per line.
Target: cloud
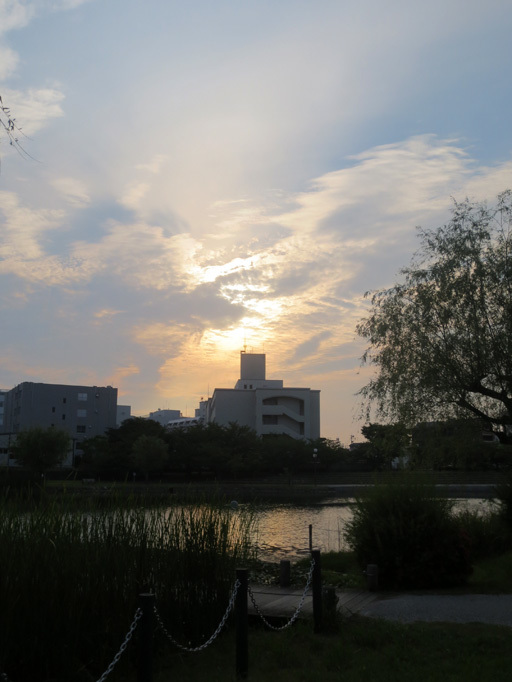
pixel 107 314
pixel 33 108
pixel 24 228
pixel 8 63
pixel 15 14
pixel 120 374
pixel 74 190
pixel 283 273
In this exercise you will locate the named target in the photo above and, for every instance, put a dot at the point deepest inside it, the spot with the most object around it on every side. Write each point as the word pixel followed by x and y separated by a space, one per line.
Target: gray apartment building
pixel 82 411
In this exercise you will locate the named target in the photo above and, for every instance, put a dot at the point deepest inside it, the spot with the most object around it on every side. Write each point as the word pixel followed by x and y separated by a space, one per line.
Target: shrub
pixel 487 531
pixel 504 497
pixel 411 535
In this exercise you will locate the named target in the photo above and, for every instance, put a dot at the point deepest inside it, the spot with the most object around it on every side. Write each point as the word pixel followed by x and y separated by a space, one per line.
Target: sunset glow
pixel 212 177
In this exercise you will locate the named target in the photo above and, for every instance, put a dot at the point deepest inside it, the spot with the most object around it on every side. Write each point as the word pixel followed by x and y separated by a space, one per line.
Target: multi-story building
pixel 82 411
pixel 265 405
pixel 163 417
pixel 123 412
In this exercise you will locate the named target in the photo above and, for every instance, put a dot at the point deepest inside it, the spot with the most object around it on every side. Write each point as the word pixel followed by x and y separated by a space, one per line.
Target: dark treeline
pixel 148 449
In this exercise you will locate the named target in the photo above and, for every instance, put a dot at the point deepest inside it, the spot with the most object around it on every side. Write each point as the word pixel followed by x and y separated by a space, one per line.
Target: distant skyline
pixel 214 175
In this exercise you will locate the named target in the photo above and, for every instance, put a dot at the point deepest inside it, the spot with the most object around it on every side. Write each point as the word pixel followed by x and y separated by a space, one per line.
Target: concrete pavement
pixel 495 609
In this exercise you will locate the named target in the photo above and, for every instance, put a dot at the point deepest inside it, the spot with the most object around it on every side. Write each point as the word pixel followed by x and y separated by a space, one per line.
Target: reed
pixel 70 579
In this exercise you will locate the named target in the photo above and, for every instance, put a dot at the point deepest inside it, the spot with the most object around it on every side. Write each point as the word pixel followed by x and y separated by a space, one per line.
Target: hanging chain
pixel 299 607
pixel 138 615
pixel 215 634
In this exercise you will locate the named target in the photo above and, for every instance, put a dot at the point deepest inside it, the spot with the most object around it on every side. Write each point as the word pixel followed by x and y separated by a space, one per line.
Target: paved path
pixel 406 608
pixel 465 608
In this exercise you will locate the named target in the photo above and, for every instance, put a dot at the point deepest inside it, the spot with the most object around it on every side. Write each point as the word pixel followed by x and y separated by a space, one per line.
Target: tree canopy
pixel 40 449
pixel 441 339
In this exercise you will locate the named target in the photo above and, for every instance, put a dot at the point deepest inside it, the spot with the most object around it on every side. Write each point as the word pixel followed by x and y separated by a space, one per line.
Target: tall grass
pixel 70 579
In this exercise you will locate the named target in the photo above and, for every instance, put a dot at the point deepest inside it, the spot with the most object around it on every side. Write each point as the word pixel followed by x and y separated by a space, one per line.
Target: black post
pixel 145 671
pixel 284 573
pixel 242 625
pixel 317 591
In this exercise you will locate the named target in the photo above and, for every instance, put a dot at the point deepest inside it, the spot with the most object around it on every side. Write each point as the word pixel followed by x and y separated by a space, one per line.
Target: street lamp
pixel 315 462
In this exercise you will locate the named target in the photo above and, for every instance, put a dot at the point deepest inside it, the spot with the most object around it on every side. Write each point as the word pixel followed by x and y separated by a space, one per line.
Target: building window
pixel 81 413
pixel 64 400
pixel 53 409
pixel 270 419
pixel 82 396
pixel 63 417
pixel 80 428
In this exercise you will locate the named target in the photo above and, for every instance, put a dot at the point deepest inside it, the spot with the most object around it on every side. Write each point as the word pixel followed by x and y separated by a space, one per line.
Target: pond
pixel 283 529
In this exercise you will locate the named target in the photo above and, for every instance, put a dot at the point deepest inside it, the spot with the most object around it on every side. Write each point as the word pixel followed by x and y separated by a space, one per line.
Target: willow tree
pixel 441 339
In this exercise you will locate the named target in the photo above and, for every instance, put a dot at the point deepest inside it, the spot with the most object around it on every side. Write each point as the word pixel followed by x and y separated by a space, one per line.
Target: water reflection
pixel 283 530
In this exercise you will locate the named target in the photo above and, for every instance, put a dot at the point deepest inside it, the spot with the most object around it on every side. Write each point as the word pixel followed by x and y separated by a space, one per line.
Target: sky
pixel 202 177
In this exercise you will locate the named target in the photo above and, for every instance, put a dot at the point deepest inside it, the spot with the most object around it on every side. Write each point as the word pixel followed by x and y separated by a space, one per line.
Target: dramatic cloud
pixel 214 176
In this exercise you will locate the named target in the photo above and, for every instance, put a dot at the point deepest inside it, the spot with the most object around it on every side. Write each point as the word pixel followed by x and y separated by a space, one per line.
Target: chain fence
pixel 236 587
pixel 293 618
pixel 215 634
pixel 122 648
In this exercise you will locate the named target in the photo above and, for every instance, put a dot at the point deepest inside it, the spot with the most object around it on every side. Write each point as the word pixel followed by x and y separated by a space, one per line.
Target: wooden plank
pixel 276 601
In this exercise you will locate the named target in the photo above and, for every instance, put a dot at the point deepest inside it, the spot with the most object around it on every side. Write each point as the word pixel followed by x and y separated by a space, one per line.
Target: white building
pixel 266 405
pixel 164 416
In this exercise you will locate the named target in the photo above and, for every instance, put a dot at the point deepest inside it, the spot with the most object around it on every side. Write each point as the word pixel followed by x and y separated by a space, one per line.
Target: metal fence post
pixel 317 591
pixel 242 625
pixel 145 669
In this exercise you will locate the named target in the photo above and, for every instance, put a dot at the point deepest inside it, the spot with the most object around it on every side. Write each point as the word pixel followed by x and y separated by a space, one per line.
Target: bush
pixel 504 497
pixel 487 531
pixel 411 535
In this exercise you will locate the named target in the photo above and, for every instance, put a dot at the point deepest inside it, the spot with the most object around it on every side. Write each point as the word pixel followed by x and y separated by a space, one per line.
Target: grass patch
pixel 364 649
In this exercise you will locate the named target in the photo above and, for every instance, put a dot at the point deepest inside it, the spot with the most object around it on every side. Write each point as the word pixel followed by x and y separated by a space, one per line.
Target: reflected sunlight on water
pixel 283 530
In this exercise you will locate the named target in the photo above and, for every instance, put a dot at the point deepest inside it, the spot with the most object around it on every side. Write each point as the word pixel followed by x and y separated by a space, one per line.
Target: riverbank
pixel 343 486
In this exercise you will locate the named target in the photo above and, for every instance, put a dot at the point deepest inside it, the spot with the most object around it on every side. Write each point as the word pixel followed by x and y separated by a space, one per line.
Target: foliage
pixel 455 443
pixel 386 442
pixel 442 338
pixel 492 574
pixel 209 450
pixel 149 454
pixel 411 535
pixel 488 534
pixel 504 497
pixel 40 449
pixel 92 562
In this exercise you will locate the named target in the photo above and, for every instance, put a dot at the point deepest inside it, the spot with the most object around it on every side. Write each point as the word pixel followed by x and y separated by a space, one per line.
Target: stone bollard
pixel 372 577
